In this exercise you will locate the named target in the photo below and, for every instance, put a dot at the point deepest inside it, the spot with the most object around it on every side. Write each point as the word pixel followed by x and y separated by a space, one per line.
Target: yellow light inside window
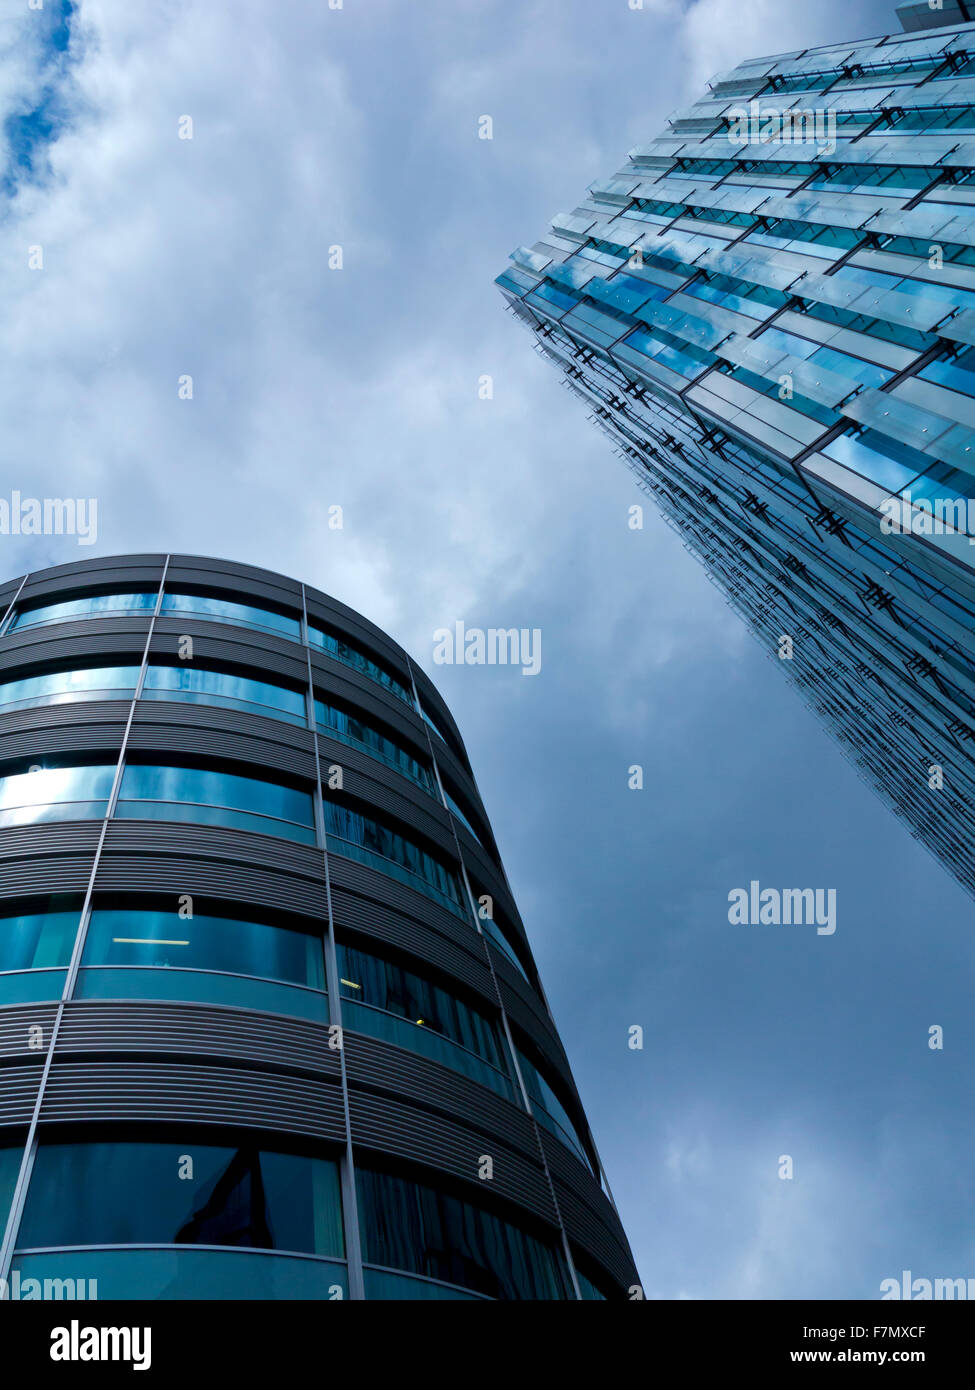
pixel 351 983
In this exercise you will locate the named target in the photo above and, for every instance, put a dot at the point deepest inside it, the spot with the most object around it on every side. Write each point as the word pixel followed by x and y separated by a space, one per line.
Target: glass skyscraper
pixel 270 1025
pixel 770 309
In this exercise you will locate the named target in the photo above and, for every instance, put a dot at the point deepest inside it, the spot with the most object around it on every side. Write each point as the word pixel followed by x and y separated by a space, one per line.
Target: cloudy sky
pixel 164 257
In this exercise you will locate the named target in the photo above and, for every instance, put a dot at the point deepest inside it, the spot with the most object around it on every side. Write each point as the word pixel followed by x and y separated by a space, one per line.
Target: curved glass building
pixel 269 1022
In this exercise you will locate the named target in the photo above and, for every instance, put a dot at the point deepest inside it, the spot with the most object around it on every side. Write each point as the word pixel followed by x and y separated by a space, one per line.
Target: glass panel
pixel 117 936
pixel 370 834
pixel 55 793
pixel 10 1158
pixel 56 687
pixel 343 650
pixel 31 986
pixel 386 1284
pixel 198 685
pixel 175 1273
pixel 94 606
pixel 31 941
pixel 420 1039
pixel 216 798
pixel 351 729
pixel 222 610
pixel 370 980
pixel 185 1194
pixel 422 1231
pixel 234 991
pixel 548 1109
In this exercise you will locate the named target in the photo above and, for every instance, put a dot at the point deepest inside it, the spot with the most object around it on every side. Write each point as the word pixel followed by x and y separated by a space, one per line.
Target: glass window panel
pixel 196 684
pixel 415 1228
pixel 125 1193
pixel 184 1273
pixel 345 651
pixel 350 728
pixel 220 798
pixel 55 793
pixel 117 936
pixel 546 1104
pixel 94 606
pixel 358 829
pixel 35 940
pixel 223 610
pixel 56 687
pixel 203 987
pixel 368 979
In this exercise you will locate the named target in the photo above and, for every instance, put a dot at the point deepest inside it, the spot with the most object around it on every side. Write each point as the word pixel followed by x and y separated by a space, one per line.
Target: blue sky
pixel 358 387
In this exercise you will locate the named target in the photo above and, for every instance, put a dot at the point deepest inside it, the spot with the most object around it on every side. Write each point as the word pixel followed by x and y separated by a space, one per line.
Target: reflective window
pixel 223 610
pixel 184 1193
pixel 160 955
pixel 94 606
pixel 37 940
pixel 200 686
pixel 216 798
pixel 55 793
pixel 362 832
pixel 428 1019
pixel 548 1109
pixel 10 1158
pixel 460 815
pixel 343 650
pixel 351 729
pixel 57 687
pixel 415 1228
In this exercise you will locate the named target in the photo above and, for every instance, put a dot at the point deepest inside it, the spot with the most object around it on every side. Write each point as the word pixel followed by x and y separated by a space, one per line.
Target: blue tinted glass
pixel 351 728
pixel 419 1230
pixel 10 1157
pixel 58 793
pixel 180 1272
pixel 872 456
pixel 199 786
pixel 460 814
pixel 56 687
pixel 31 986
pixel 544 1100
pixel 217 687
pixel 224 611
pixel 368 979
pixel 35 940
pixel 143 1193
pixel 96 605
pixel 343 650
pixel 372 835
pixel 121 937
pixel 204 987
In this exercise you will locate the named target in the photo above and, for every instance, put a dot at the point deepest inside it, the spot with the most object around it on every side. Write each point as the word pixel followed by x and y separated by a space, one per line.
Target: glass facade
pixel 179 889
pixel 769 310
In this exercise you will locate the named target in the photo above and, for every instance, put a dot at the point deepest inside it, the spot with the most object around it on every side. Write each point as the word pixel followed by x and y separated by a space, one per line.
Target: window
pixel 222 610
pixel 94 606
pixel 372 838
pixel 58 687
pixel 200 686
pixel 341 649
pixel 216 798
pixel 35 948
pixel 55 793
pixel 460 815
pixel 415 1228
pixel 427 1019
pixel 549 1110
pixel 349 728
pixel 221 960
pixel 187 1193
